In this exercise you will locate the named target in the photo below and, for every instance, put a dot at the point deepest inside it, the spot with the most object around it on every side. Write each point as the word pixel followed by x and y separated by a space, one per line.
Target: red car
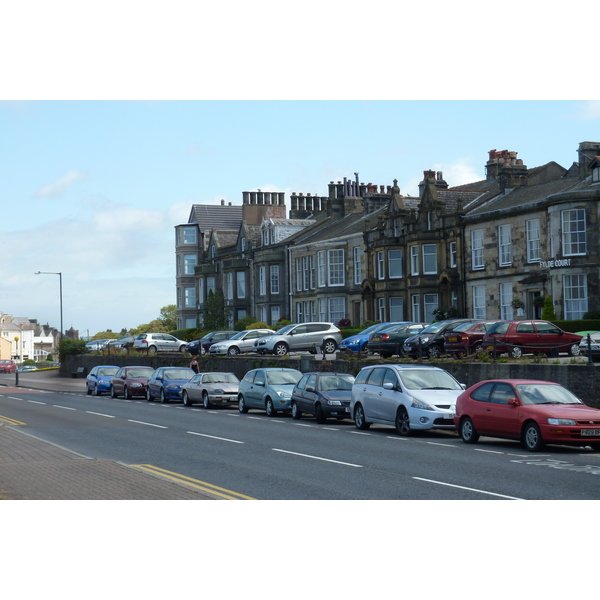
pixel 130 381
pixel 521 337
pixel 466 338
pixel 7 366
pixel 533 412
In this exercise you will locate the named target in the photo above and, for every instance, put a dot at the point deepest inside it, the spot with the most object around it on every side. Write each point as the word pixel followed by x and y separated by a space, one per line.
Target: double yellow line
pixel 10 421
pixel 202 486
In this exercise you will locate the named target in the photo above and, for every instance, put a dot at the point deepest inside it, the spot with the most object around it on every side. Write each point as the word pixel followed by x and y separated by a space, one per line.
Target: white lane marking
pixel 359 433
pixel 330 428
pixel 99 414
pixel 317 458
pixel 232 415
pixel 488 451
pixel 13 398
pixel 276 421
pixel 439 444
pixel 259 418
pixel 65 407
pixel 461 487
pixel 214 437
pixel 150 424
pixel 36 402
pixel 395 437
pixel 303 425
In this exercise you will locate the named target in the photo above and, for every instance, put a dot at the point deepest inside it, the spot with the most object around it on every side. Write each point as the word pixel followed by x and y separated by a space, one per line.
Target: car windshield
pixel 540 393
pixel 178 374
pixel 435 327
pixel 108 371
pixel 140 372
pixel 284 329
pixel 220 378
pixel 428 379
pixel 238 336
pixel 283 377
pixel 498 328
pixel 329 383
pixel 372 329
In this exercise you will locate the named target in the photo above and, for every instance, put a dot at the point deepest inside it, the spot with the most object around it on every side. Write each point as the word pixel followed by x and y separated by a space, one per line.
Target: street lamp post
pixel 61 304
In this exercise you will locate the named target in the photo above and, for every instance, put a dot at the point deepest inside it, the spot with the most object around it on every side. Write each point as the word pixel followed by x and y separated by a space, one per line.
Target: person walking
pixel 194 365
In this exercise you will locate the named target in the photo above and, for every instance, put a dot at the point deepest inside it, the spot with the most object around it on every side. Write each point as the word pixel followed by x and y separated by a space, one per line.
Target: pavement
pixel 32 469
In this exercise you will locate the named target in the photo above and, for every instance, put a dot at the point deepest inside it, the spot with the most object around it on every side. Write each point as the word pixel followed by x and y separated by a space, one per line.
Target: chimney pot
pixel 222 202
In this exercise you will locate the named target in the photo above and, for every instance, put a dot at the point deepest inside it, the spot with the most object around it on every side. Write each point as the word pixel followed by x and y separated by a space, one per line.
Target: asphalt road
pixel 280 458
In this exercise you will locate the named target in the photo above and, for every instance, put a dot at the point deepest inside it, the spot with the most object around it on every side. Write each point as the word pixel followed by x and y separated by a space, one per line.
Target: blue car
pixel 358 342
pixel 165 383
pixel 99 379
pixel 269 389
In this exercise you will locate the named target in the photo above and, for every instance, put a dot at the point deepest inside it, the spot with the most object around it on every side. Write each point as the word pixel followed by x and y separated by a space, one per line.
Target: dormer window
pixel 273 235
pixel 243 244
pixel 596 174
pixel 212 251
pixel 265 237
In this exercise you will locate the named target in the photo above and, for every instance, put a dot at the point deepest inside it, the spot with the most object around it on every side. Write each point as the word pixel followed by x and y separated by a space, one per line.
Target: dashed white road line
pixel 214 437
pixel 462 487
pixel 99 414
pixel 317 458
pixel 150 424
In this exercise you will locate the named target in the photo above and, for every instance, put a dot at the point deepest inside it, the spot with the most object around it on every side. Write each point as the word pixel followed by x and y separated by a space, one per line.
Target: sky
pixel 110 133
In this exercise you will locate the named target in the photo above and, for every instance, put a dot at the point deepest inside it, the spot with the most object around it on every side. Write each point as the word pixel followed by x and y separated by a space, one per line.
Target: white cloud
pixel 589 111
pixel 59 187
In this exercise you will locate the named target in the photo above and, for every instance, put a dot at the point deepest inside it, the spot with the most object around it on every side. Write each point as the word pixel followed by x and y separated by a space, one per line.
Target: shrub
pixel 548 313
pixel 281 323
pixel 258 325
pixel 244 323
pixel 69 347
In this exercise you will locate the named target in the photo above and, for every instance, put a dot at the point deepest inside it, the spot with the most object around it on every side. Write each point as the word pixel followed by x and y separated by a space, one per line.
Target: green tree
pixel 105 335
pixel 548 313
pixel 68 346
pixel 215 316
pixel 168 317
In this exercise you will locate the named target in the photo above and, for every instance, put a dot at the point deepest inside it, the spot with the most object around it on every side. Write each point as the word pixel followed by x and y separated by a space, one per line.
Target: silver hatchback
pixel 241 342
pixel 313 337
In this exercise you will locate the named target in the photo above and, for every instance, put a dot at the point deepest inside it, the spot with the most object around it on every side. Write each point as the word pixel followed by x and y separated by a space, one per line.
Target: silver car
pixel 158 342
pixel 241 342
pixel 211 389
pixel 313 337
pixel 409 397
pixel 269 389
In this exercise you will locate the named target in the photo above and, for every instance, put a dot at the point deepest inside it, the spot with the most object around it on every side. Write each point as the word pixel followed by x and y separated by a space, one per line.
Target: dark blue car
pixel 99 379
pixel 323 395
pixel 165 383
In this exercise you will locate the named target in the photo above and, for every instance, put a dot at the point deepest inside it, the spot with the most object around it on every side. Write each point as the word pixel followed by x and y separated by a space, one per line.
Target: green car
pixel 269 389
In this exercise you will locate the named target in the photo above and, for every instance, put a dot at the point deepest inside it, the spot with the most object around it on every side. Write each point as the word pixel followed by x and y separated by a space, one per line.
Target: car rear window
pixel 498 328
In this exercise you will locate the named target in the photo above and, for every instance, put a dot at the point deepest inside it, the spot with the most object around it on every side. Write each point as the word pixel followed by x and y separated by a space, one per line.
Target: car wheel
pixel 434 351
pixel 242 404
pixel 359 418
pixel 205 401
pixel 152 350
pixel 280 349
pixel 329 347
pixel 402 422
pixel 575 350
pixel 319 414
pixel 270 408
pixel 163 398
pixel 296 413
pixel 96 390
pixel 126 393
pixel 88 390
pixel 476 347
pixel 182 348
pixel 233 350
pixel 467 432
pixel 532 437
pixel 186 398
pixel 148 395
pixel 516 352
pixel 112 392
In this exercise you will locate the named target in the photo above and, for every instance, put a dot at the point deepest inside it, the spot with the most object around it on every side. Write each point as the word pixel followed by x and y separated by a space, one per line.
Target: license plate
pixel 591 432
pixel 449 416
pixel 452 338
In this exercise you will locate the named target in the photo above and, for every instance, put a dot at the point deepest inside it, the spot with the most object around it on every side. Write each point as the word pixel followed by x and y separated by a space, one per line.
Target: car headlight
pixel 173 387
pixel 104 381
pixel 334 403
pixel 420 404
pixel 284 394
pixel 136 385
pixel 219 391
pixel 552 421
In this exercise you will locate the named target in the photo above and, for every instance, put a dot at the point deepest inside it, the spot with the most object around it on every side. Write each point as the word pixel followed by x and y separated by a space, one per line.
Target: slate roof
pixel 216 216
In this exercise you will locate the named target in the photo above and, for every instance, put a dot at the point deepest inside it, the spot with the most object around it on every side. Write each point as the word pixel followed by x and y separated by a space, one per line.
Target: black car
pixel 323 395
pixel 432 338
pixel 202 345
pixel 390 340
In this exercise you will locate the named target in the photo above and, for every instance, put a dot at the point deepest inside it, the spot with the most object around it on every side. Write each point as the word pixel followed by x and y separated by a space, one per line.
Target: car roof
pixel 518 381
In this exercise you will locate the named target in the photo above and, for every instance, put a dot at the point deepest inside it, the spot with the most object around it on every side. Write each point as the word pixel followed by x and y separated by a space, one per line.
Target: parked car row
pixel 409 397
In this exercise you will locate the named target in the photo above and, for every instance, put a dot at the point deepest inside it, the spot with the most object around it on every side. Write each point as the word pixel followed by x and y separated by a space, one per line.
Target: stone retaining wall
pixel 582 379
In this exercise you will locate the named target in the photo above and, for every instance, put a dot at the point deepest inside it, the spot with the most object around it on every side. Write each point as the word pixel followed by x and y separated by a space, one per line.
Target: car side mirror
pixel 260 382
pixel 310 388
pixel 291 333
pixel 388 385
pixel 463 386
pixel 513 402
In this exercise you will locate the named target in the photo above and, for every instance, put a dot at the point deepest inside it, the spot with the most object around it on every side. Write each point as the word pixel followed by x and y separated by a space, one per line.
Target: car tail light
pixel 385 337
pixel 464 337
pixel 144 341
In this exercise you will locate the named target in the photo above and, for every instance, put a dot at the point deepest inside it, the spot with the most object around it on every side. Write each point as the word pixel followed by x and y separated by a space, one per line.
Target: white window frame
pixel 504 245
pixel 321 268
pixel 381 310
pixel 262 281
pixel 357 255
pixel 201 290
pixel 430 303
pixel 298 275
pixel 274 272
pixel 380 265
pixel 299 317
pixel 336 308
pixel 397 309
pixel 533 240
pixel 241 284
pixel 311 270
pixel 210 285
pixel 189 297
pixel 335 271
pixel 574 232
pixel 322 309
pixel 506 297
pixel 575 291
pixel 414 260
pixel 395 265
pixel 477 262
pixel 190 235
pixel 479 303
pixel 230 286
pixel 275 314
pixel 305 273
pixel 415 307
pixel 429 259
pixel 452 255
